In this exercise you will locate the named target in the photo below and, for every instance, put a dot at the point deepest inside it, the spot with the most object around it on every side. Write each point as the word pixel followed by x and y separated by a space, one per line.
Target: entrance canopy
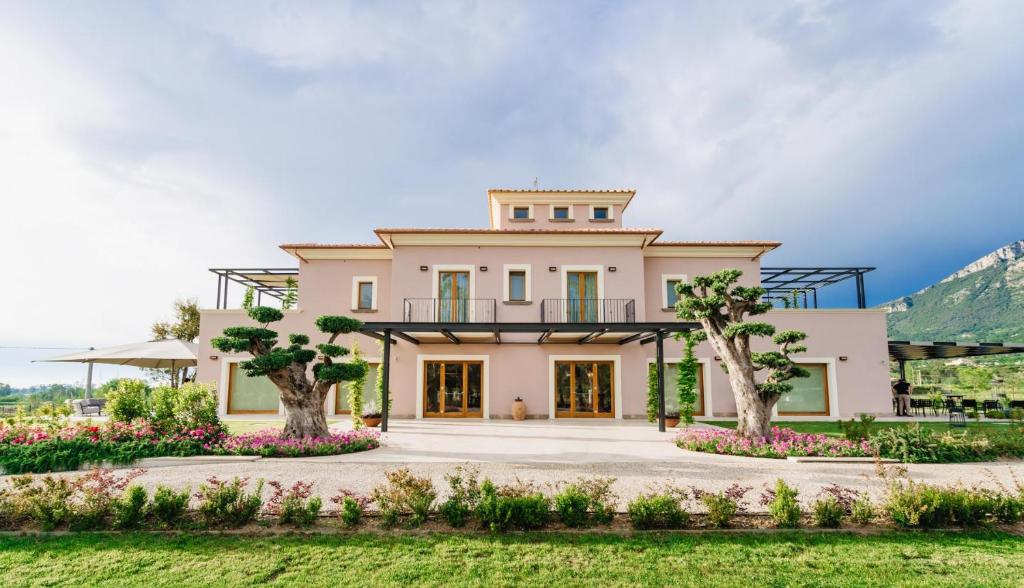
pixel 901 351
pixel 518 333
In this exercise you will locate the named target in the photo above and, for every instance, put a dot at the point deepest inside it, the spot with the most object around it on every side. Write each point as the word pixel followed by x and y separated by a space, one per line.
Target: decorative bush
pixel 463 496
pixel 720 507
pixel 350 507
pixel 404 495
pixel 272 443
pixel 129 509
pixel 127 401
pixel 781 444
pixel 227 504
pixel 858 430
pixel 586 502
pixel 188 407
pixel 783 506
pixel 520 506
pixel 914 444
pixel 294 506
pixel 657 511
pixel 863 510
pixel 827 512
pixel 913 505
pixel 168 506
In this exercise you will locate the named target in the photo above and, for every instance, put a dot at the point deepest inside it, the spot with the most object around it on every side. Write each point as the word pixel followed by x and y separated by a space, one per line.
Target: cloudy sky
pixel 142 143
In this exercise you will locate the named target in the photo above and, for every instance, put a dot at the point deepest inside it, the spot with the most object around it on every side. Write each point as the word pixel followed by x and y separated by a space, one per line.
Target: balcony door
pixel 452 389
pixel 581 294
pixel 584 389
pixel 453 297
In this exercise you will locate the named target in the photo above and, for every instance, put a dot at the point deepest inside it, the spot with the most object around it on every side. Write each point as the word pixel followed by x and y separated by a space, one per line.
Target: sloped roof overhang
pixel 918 350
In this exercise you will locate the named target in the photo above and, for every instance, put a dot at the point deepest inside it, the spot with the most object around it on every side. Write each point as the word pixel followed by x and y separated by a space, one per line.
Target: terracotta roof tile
pixel 333 246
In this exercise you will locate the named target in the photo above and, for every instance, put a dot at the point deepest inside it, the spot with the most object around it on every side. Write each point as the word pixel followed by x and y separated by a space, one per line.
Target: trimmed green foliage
pixel 265 314
pixel 338 324
pixel 463 496
pixel 784 507
pixel 331 350
pixel 657 511
pixel 586 502
pixel 827 512
pixel 129 509
pixel 227 504
pixel 127 401
pixel 512 507
pixel 168 506
pixel 404 495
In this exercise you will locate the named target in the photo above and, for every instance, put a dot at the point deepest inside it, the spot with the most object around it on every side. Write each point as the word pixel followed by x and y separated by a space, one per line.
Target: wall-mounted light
pixel 552 268
pixel 423 268
pixel 483 268
pixel 718 358
pixel 612 268
pixel 214 357
pixel 843 358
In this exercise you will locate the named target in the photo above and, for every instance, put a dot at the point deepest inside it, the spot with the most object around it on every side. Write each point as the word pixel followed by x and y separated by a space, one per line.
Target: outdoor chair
pixel 920 406
pixel 1017 404
pixel 89 406
pixel 970 404
pixel 957 418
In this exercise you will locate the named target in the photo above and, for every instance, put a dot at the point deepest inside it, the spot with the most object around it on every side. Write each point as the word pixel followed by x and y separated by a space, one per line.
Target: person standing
pixel 902 389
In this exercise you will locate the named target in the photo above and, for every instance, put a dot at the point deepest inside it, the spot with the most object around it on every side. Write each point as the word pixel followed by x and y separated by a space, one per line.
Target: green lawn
pixel 239 426
pixel 785 559
pixel 833 428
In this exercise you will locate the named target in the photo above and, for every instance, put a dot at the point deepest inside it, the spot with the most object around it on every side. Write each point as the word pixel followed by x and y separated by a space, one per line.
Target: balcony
pixel 588 310
pixel 444 310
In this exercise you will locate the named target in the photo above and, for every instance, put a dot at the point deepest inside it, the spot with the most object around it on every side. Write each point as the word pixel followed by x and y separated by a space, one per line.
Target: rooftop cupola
pixel 557 209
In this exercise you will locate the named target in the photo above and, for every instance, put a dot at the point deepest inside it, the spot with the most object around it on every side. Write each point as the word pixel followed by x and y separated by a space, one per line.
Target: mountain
pixel 983 302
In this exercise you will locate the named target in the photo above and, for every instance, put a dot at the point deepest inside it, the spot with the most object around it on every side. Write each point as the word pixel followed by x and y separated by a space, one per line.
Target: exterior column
pixel 661 380
pixel 903 369
pixel 385 388
pixel 861 293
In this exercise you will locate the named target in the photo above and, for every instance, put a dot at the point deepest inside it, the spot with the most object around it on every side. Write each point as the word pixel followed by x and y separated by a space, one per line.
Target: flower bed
pixel 34 448
pixel 270 443
pixel 782 443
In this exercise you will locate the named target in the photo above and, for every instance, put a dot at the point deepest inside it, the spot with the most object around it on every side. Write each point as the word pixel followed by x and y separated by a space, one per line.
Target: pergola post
pixel 661 380
pixel 861 294
pixel 385 383
pixel 903 368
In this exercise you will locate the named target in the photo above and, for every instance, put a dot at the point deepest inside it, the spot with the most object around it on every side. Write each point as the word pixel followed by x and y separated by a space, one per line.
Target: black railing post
pixel 661 380
pixel 385 383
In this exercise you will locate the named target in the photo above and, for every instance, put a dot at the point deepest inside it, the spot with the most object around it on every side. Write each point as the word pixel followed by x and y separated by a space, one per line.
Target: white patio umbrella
pixel 164 354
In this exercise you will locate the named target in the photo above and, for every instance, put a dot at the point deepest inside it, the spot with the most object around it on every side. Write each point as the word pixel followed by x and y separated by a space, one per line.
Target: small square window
pixel 365 296
pixel 560 213
pixel 600 213
pixel 517 286
pixel 521 212
pixel 670 293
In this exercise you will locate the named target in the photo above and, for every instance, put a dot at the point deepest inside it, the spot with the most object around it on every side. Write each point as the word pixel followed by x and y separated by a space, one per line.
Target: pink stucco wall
pixel 542 218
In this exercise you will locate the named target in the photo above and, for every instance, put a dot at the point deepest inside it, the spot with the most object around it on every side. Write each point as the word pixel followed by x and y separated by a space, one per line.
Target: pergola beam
pixel 451 336
pixel 590 337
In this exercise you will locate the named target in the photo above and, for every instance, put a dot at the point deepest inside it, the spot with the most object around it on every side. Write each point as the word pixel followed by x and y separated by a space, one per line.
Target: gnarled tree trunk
pixel 303 404
pixel 753 413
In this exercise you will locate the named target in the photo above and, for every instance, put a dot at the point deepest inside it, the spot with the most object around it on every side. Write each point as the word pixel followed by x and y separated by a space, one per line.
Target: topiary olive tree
pixel 721 306
pixel 287 367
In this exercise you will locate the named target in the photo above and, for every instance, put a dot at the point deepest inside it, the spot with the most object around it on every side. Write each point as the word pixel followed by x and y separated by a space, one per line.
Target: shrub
pixel 272 443
pixel 168 506
pixel 519 506
pixel 914 444
pixel 913 505
pixel 783 505
pixel 129 510
pixel 721 507
pixel 94 496
pixel 827 512
pixel 190 406
pixel 862 510
pixel 350 507
pixel 855 430
pixel 127 401
pixel 49 505
pixel 782 443
pixel 586 502
pixel 463 498
pixel 404 494
pixel 227 504
pixel 294 506
pixel 657 511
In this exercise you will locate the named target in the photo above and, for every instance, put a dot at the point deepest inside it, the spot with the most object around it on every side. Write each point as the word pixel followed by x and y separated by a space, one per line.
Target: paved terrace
pixel 544 452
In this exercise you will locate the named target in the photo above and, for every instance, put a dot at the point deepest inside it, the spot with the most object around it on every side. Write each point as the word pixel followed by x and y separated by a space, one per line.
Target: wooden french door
pixel 453 297
pixel 581 297
pixel 453 388
pixel 584 389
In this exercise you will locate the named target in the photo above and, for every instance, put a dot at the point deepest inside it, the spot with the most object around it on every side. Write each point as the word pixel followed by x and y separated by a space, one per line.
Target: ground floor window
pixel 584 388
pixel 369 393
pixel 810 395
pixel 453 388
pixel 672 391
pixel 248 395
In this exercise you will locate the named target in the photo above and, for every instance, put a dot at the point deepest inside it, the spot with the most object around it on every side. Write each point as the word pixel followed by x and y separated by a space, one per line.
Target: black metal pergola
pixel 781 282
pixel 547 334
pixel 271 281
pixel 903 351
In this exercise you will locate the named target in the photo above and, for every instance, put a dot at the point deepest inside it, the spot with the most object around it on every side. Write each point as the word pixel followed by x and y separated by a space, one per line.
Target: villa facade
pixel 556 302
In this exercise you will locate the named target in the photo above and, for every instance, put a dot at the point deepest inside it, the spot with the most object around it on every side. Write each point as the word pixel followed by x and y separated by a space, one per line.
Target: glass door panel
pixel 581 291
pixel 584 388
pixel 604 388
pixel 563 387
pixel 453 387
pixel 453 297
pixel 474 388
pixel 432 383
